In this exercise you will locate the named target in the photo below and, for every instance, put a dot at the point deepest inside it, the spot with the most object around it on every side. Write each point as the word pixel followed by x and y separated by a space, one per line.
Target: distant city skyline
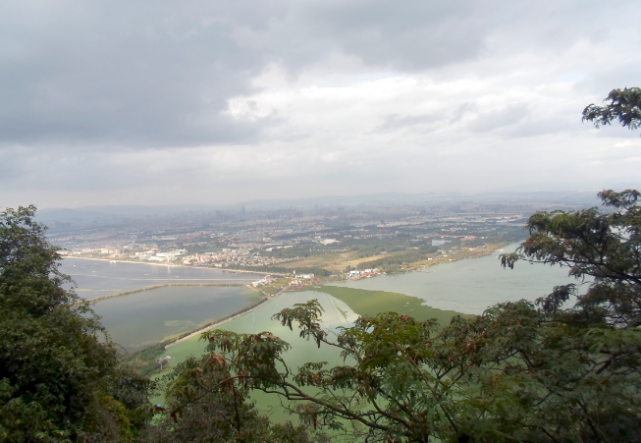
pixel 219 103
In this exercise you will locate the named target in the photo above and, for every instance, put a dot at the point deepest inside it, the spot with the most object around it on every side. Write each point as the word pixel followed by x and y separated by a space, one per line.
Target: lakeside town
pixel 305 243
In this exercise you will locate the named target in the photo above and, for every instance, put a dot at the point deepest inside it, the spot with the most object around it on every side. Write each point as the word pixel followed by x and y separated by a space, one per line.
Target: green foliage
pixel 603 246
pixel 58 381
pixel 144 362
pixel 204 405
pixel 624 105
pixel 516 373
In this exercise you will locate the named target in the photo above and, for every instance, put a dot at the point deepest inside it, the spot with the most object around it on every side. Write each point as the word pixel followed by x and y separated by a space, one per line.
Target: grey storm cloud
pixel 159 73
pixel 138 73
pixel 146 99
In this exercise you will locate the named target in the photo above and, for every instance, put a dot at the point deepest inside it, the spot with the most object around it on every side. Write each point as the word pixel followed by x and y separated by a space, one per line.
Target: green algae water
pixel 336 314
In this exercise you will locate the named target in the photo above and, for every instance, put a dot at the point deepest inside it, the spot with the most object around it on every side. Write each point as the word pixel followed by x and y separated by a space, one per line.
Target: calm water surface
pixel 142 319
pixel 95 278
pixel 471 285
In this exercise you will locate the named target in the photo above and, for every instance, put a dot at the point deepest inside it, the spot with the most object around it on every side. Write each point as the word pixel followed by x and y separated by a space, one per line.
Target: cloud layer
pixel 115 102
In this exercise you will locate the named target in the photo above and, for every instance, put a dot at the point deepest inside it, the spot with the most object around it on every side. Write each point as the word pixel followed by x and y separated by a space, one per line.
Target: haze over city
pixel 219 103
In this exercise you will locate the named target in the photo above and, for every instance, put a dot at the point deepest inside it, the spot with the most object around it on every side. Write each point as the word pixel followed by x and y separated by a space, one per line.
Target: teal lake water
pixel 144 318
pixel 472 285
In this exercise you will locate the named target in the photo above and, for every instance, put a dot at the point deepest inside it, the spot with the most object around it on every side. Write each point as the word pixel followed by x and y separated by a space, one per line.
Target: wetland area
pixel 471 285
pixel 145 318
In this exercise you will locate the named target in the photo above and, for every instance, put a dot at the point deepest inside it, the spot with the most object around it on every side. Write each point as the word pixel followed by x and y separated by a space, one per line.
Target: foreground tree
pixel 605 247
pixel 221 415
pixel 59 378
pixel 624 105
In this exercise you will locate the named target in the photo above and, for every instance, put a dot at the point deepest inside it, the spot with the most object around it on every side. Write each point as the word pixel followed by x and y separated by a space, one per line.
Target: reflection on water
pixel 472 285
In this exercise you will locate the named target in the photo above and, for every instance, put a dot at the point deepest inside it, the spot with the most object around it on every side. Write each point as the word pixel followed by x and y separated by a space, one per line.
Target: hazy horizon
pixel 399 199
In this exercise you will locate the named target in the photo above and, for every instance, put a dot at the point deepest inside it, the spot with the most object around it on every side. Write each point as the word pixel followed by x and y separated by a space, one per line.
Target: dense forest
pixel 564 369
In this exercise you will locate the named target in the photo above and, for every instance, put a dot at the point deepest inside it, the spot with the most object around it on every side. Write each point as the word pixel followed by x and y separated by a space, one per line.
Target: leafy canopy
pixel 199 413
pixel 624 105
pixel 59 378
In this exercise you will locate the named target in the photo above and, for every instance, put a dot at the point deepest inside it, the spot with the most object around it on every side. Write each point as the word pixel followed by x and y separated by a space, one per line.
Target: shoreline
pixel 233 271
pixel 151 288
pixel 223 321
pixel 267 300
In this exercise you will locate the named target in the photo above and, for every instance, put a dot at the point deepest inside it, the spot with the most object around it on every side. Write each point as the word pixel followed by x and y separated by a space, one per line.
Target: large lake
pixel 95 278
pixel 144 318
pixel 471 285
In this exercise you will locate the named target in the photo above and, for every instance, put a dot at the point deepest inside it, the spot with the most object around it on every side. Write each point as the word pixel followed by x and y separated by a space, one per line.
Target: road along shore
pixel 233 271
pixel 149 288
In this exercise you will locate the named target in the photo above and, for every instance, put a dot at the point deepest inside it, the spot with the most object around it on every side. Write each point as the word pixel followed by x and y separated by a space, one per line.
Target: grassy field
pixel 401 260
pixel 370 303
pixel 274 287
pixel 335 262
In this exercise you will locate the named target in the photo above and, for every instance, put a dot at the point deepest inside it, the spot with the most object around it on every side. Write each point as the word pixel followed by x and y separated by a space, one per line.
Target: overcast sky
pixel 217 102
